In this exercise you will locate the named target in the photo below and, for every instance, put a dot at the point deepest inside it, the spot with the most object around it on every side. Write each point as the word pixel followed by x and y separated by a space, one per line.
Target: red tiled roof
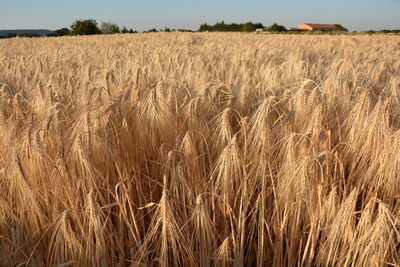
pixel 320 26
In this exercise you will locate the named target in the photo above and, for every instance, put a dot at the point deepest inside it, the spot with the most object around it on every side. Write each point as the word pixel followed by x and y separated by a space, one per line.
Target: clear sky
pixel 146 14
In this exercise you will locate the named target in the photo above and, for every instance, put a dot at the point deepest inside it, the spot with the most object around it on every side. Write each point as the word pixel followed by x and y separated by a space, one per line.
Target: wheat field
pixel 200 149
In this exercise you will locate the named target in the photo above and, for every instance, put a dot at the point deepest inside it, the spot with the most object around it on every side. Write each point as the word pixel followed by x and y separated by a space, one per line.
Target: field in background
pixel 199 149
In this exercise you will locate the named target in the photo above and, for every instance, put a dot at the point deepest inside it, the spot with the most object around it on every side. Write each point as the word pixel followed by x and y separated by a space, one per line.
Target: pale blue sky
pixel 143 15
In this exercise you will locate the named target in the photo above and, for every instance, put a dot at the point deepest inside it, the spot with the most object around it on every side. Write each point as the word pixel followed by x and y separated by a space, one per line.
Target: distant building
pixel 316 27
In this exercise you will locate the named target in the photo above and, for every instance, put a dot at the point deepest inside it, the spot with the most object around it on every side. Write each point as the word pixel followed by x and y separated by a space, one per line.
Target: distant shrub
pixel 85 27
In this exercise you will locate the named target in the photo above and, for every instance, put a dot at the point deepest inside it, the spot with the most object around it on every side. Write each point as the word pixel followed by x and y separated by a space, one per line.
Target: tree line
pixel 251 27
pixel 90 26
pixel 233 27
pixel 79 27
pixel 243 27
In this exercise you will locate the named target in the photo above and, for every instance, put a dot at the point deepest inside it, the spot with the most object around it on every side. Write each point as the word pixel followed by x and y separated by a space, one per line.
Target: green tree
pixel 338 27
pixel 85 27
pixel 259 26
pixel 233 27
pixel 59 32
pixel 62 32
pixel 109 28
pixel 205 27
pixel 276 28
pixel 248 27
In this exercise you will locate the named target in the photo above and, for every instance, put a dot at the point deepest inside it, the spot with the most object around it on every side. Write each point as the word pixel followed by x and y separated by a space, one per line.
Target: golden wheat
pixel 200 149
